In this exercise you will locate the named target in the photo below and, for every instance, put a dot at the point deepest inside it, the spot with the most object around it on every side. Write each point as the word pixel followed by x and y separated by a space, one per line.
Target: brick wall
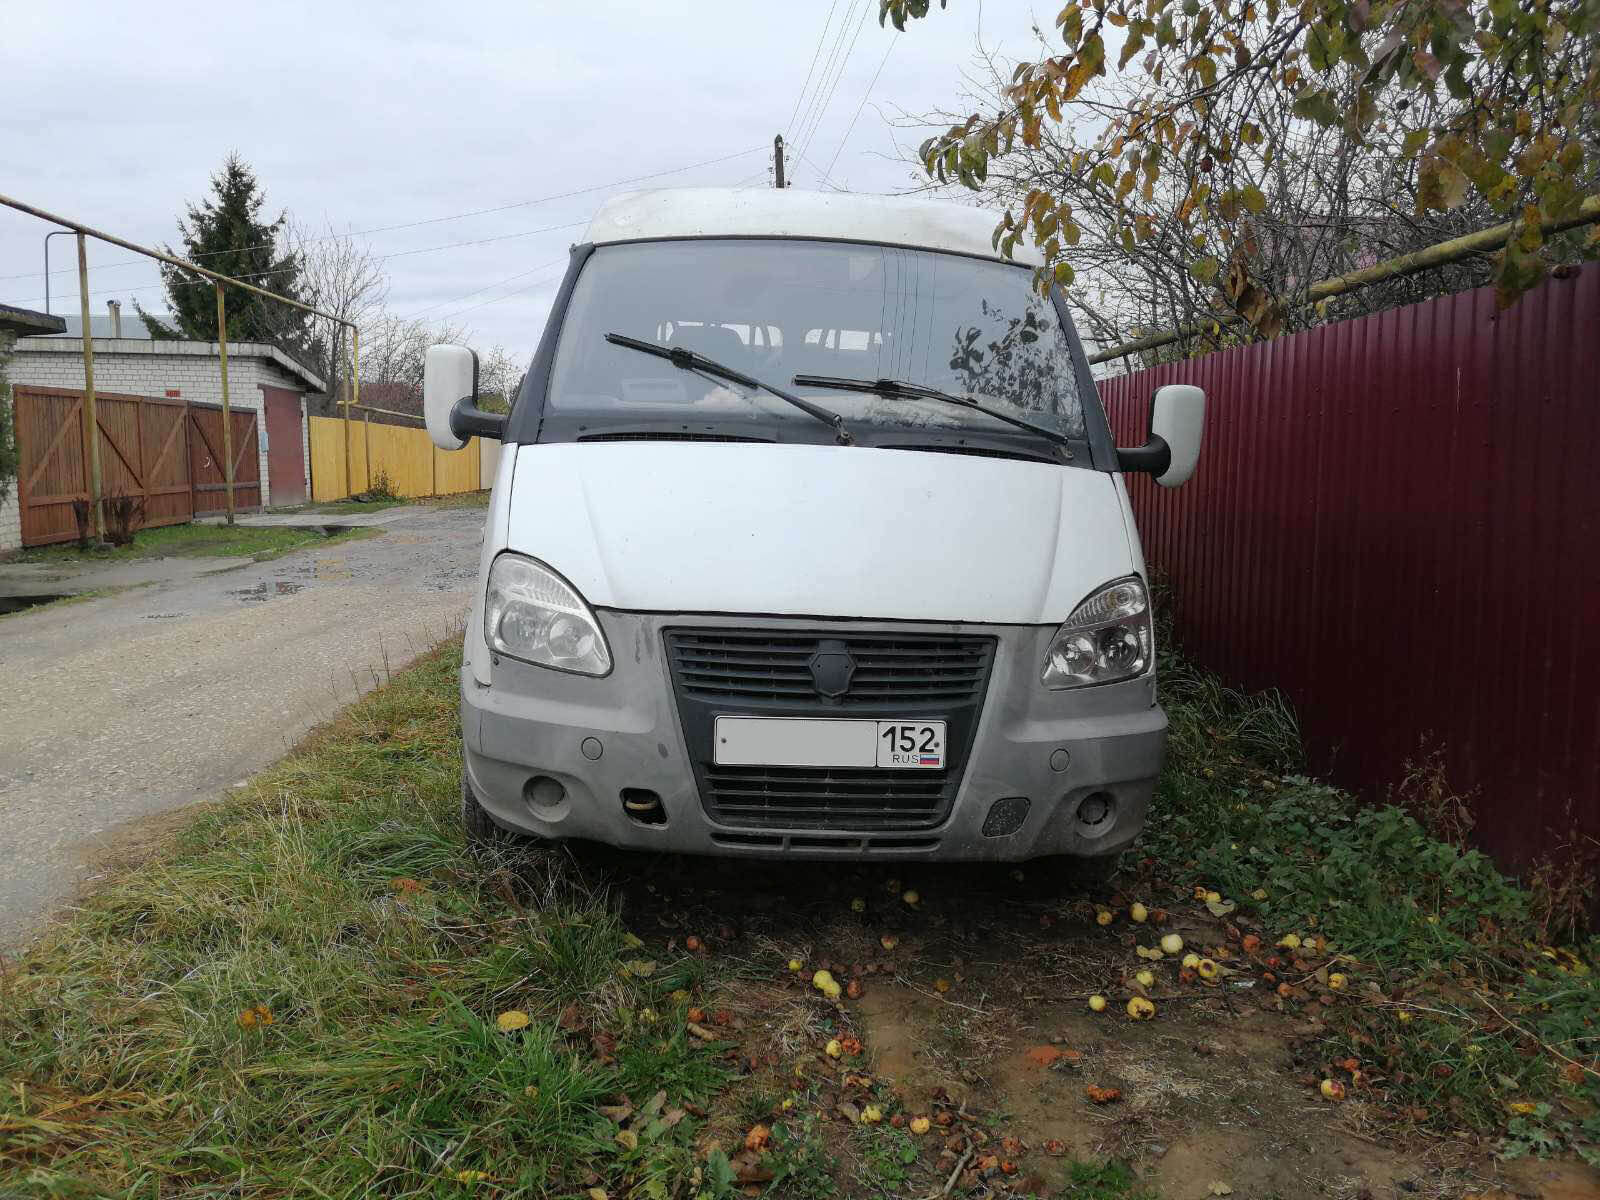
pixel 141 367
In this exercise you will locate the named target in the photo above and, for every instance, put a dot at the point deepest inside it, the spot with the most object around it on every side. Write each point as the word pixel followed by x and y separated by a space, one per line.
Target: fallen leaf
pixel 1055 1147
pixel 406 886
pixel 511 1020
pixel 1044 1056
pixel 627 1139
pixel 472 1176
pixel 758 1138
pixel 1221 908
pixel 1100 1095
pixel 639 968
pixel 700 1031
pixel 1218 1188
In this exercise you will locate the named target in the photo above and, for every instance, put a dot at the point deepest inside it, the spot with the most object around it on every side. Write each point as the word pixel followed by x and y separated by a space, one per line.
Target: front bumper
pixel 600 738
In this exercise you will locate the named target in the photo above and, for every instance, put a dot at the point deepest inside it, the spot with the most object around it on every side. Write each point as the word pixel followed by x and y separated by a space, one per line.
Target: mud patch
pixel 265 590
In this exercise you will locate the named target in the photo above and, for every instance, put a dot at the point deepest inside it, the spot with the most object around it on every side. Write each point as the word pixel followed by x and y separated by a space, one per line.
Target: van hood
pixel 823 531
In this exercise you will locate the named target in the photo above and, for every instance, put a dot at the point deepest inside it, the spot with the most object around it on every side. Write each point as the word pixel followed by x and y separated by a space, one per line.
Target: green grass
pixel 195 541
pixel 335 894
pixel 1460 1015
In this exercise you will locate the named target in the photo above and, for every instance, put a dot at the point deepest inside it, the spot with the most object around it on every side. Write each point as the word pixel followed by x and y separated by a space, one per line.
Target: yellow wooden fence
pixel 413 464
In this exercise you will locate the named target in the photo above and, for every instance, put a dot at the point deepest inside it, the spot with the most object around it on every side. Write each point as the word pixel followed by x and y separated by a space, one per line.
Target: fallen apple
pixel 825 983
pixel 796 965
pixel 1140 1009
pixel 1190 961
pixel 1103 917
pixel 1290 941
pixel 910 897
pixel 1337 980
pixel 833 1049
pixel 858 905
pixel 1146 978
pixel 1097 1004
pixel 888 941
pixel 1172 943
pixel 1332 1089
pixel 1207 969
pixel 872 1114
pixel 920 1125
pixel 1138 912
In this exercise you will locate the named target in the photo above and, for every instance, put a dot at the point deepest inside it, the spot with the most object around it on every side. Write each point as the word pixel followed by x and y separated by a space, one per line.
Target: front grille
pixel 768 672
pixel 818 797
pixel 909 668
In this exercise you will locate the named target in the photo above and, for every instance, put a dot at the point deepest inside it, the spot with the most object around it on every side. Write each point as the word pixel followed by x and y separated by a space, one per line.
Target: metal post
pixel 227 414
pixel 47 237
pixel 91 424
pixel 344 416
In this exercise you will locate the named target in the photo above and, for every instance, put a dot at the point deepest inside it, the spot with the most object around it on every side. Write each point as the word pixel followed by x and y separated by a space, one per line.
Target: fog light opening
pixel 644 806
pixel 544 794
pixel 1097 813
pixel 1005 816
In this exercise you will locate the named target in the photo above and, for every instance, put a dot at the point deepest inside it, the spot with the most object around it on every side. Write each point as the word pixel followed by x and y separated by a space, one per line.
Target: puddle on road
pixel 265 590
pixel 11 604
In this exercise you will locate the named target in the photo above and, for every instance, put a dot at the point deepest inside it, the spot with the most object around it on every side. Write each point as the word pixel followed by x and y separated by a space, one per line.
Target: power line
pixel 806 120
pixel 815 54
pixel 822 111
pixel 477 212
pixel 496 299
pixel 488 287
pixel 851 128
pixel 378 258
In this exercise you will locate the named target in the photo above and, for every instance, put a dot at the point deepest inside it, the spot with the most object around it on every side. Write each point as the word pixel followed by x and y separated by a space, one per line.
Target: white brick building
pixel 190 371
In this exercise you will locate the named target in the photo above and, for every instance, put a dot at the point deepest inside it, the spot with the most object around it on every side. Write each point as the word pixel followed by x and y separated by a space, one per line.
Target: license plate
pixel 828 742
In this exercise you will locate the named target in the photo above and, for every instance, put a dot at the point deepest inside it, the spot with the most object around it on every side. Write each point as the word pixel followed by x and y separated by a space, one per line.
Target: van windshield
pixel 775 309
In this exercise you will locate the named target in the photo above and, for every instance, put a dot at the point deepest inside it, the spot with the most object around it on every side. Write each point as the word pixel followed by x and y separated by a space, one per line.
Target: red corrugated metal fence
pixel 1396 520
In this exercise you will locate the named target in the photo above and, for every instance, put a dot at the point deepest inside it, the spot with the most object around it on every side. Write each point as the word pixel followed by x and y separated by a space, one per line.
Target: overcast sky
pixel 369 115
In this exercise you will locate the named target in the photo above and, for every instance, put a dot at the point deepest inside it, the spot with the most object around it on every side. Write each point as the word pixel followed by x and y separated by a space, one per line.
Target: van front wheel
pixel 480 827
pixel 1090 872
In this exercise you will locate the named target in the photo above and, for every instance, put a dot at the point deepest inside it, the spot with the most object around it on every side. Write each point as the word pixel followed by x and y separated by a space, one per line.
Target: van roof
pixel 768 212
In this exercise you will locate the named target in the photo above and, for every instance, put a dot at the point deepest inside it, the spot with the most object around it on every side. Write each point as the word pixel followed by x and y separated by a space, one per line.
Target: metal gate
pixel 206 459
pixel 144 452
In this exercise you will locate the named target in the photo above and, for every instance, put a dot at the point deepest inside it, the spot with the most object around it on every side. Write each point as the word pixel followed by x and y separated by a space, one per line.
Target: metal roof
pixel 769 212
pixel 26 322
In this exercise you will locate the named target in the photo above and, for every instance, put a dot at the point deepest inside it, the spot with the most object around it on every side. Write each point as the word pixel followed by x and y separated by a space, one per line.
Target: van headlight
pixel 531 613
pixel 1108 637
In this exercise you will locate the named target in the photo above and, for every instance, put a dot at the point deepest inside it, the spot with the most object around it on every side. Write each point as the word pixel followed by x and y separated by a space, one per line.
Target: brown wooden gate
pixel 144 452
pixel 205 459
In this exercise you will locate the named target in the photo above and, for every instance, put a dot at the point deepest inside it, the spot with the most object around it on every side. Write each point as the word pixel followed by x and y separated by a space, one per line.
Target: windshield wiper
pixel 690 360
pixel 900 389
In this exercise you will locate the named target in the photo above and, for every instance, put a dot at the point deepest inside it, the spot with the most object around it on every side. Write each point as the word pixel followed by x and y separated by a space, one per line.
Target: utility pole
pixel 777 158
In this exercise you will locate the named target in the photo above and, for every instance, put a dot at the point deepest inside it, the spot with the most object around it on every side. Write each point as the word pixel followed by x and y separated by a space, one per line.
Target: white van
pixel 809 539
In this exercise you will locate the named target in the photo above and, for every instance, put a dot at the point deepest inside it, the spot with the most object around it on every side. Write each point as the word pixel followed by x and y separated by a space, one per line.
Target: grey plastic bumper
pixel 597 737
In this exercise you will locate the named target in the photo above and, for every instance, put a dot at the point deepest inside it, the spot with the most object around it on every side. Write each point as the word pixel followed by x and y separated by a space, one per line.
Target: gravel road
pixel 118 709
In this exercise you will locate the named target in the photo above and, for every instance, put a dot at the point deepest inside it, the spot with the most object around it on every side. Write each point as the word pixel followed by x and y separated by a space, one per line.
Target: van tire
pixel 1090 872
pixel 481 830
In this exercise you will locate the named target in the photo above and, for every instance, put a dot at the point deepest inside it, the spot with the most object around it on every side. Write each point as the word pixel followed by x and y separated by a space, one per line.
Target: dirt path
pixel 118 709
pixel 972 1007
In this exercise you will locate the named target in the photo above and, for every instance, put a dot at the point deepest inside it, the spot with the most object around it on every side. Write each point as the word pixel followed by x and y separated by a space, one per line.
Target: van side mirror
pixel 1177 419
pixel 450 399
